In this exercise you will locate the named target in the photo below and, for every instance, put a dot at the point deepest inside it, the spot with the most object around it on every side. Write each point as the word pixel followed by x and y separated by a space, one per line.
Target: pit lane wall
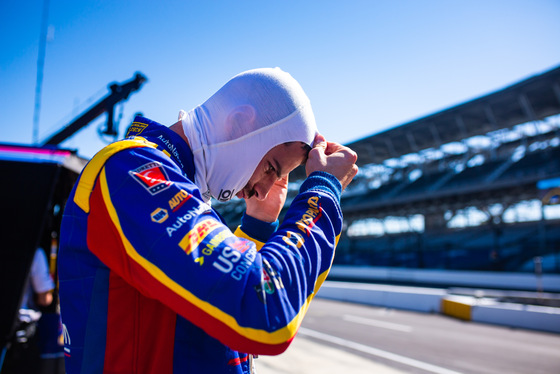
pixel 438 300
pixel 447 278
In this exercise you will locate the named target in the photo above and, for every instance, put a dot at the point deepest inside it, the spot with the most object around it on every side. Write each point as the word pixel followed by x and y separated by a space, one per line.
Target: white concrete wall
pixel 517 315
pixel 398 297
pixel 481 279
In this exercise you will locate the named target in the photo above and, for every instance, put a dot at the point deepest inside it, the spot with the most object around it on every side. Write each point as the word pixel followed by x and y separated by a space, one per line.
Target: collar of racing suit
pixel 167 140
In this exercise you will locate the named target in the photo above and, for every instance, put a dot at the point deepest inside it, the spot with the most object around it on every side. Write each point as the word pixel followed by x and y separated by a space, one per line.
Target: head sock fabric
pixel 231 132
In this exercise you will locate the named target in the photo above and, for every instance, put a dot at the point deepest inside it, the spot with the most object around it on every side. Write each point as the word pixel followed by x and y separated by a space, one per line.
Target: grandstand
pixel 471 187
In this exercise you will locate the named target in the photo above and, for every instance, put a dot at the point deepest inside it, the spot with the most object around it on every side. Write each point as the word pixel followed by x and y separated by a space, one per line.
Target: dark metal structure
pixel 119 92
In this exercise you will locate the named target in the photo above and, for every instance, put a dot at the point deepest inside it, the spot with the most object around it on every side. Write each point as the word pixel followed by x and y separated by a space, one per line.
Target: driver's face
pixel 276 164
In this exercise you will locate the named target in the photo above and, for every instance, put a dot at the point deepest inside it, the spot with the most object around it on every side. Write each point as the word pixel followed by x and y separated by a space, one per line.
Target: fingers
pixel 333 158
pixel 319 142
pixel 353 156
pixel 333 148
pixel 317 153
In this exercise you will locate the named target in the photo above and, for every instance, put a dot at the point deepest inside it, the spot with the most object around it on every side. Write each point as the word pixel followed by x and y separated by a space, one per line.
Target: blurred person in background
pixel 25 354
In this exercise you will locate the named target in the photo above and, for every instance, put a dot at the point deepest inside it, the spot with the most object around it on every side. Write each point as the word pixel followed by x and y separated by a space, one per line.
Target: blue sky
pixel 366 65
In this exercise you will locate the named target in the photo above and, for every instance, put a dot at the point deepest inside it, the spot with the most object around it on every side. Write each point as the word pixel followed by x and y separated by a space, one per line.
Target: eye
pixel 270 169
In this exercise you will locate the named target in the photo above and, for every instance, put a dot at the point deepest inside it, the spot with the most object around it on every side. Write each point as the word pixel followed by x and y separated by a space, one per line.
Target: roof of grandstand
pixel 532 99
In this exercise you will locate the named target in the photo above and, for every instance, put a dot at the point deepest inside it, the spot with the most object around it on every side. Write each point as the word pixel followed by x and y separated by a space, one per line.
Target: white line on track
pixel 376 352
pixel 377 323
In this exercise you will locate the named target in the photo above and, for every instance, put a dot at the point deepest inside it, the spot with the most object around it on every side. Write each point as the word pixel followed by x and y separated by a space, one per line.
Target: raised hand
pixel 332 158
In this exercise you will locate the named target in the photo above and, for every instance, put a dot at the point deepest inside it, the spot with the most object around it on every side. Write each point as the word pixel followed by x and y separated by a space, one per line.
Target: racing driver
pixel 151 278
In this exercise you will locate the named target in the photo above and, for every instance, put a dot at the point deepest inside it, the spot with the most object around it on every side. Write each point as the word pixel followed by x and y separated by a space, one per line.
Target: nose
pixel 263 187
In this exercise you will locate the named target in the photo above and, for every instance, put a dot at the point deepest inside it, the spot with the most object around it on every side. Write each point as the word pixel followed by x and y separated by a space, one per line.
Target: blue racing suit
pixel 151 279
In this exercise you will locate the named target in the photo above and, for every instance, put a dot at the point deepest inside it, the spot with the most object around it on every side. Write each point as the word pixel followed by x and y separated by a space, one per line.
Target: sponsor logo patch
pixel 270 282
pixel 208 250
pixel 159 215
pixel 66 340
pixel 152 177
pixel 135 129
pixel 311 215
pixel 171 147
pixel 225 195
pixel 197 235
pixel 179 199
pixel 233 262
pixel 180 221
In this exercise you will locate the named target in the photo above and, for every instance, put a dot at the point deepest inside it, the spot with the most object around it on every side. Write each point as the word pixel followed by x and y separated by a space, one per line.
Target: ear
pixel 241 121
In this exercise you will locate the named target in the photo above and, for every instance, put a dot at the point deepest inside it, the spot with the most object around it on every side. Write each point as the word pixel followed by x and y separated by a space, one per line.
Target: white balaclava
pixel 232 131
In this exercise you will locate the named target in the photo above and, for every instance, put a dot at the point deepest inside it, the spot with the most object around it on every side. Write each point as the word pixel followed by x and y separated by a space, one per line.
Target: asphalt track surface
pixel 340 337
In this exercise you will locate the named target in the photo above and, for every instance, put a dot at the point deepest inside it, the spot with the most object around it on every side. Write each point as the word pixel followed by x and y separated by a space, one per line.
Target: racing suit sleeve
pixel 148 224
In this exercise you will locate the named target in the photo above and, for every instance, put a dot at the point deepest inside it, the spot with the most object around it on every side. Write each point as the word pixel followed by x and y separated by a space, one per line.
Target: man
pixel 40 291
pixel 25 352
pixel 152 281
pixel 39 297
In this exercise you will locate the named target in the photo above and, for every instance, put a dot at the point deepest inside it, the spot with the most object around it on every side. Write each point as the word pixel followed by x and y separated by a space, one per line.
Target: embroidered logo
pixel 152 177
pixel 159 215
pixel 135 129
